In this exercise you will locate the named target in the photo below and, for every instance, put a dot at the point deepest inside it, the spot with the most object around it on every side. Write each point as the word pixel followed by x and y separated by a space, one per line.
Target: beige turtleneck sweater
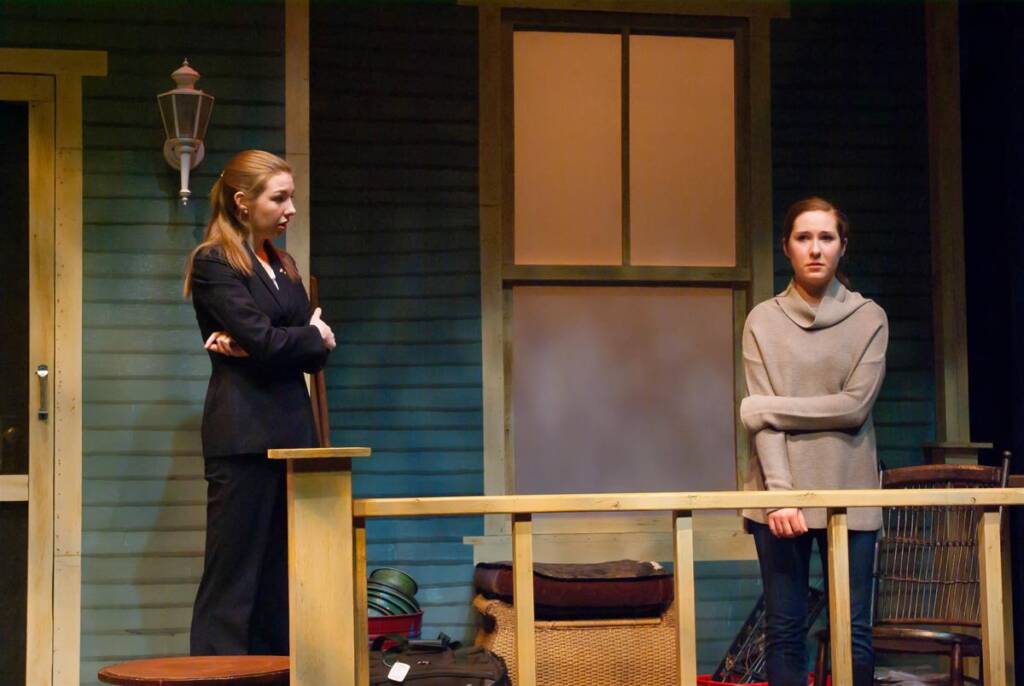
pixel 813 374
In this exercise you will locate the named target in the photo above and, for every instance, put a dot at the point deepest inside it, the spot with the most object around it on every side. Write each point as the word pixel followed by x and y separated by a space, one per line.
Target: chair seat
pixel 216 670
pixel 902 639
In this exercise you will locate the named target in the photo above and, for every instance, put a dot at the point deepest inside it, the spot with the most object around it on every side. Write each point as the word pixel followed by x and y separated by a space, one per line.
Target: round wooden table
pixel 218 670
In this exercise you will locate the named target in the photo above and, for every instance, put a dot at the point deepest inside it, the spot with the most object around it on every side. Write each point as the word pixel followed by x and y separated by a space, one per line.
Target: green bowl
pixel 395 578
pixel 387 604
pixel 400 605
pixel 375 604
pixel 383 590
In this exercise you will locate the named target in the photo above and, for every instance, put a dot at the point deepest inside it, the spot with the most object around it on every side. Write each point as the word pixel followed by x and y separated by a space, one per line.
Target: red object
pixel 705 680
pixel 407 625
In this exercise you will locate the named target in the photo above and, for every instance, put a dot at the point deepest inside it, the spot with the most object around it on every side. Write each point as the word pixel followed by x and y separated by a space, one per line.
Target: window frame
pixel 750 279
pixel 625 25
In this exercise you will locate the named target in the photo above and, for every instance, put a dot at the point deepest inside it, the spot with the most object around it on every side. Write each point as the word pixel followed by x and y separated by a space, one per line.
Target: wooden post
pixel 946 211
pixel 686 598
pixel 993 642
pixel 321 560
pixel 296 125
pixel 840 634
pixel 1005 554
pixel 522 598
pixel 362 620
pixel 497 477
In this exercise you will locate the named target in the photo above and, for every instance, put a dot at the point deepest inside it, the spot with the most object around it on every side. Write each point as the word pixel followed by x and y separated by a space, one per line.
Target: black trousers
pixel 242 604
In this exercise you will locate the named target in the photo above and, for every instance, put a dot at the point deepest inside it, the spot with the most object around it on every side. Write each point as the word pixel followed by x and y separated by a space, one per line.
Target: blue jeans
pixel 785 571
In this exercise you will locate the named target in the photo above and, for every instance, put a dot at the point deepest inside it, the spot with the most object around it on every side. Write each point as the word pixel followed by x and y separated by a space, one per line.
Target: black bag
pixel 436 663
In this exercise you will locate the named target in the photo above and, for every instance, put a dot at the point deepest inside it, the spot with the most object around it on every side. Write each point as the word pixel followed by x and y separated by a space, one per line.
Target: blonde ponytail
pixel 247 172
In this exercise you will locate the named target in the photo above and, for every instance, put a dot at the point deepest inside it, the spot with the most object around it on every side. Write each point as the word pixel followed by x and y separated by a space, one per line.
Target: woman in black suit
pixel 254 317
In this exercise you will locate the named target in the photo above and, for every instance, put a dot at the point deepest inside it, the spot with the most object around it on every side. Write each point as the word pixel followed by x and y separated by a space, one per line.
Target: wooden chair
pixel 926 570
pixel 219 670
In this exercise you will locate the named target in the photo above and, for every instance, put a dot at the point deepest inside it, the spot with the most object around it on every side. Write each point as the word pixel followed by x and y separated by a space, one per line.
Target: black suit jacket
pixel 257 402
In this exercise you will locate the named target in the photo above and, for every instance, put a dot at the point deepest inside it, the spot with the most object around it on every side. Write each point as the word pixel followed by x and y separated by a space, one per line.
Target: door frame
pixel 36 487
pixel 51 82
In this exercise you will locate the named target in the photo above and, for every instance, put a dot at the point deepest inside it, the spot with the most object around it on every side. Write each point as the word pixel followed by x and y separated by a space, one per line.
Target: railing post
pixel 362 623
pixel 321 560
pixel 522 598
pixel 1006 559
pixel 686 598
pixel 990 561
pixel 840 635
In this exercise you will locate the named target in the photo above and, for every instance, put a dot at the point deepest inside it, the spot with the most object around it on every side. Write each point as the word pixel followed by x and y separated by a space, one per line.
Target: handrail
pixel 695 500
pixel 327 560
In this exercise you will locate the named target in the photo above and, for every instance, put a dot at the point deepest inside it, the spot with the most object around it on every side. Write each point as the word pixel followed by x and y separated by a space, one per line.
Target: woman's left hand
pixel 787 522
pixel 222 343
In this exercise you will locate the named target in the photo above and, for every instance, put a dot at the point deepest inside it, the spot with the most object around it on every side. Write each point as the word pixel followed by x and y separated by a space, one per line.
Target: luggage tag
pixel 398 672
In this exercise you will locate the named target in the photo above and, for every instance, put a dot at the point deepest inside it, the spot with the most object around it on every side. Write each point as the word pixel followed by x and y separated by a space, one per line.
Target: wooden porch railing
pixel 327 561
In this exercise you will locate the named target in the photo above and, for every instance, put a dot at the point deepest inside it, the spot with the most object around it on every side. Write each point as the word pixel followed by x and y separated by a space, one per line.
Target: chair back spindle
pixel 927 569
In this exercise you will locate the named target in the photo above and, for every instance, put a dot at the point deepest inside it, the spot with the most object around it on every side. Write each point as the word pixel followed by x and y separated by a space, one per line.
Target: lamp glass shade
pixel 185 114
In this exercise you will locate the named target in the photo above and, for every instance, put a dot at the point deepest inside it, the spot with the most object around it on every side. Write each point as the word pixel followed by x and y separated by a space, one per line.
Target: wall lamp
pixel 186 114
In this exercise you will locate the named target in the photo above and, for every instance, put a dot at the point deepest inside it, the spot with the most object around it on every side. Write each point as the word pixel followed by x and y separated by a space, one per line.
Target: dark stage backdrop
pixel 992 88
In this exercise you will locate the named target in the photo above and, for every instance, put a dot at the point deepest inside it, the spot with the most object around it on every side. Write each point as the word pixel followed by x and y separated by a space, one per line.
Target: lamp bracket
pixel 174 147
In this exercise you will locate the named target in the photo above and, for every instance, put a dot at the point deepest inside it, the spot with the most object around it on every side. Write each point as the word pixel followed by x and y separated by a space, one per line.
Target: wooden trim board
pixel 717 8
pixel 42 230
pixel 297 128
pixel 13 488
pixel 53 62
pixel 702 500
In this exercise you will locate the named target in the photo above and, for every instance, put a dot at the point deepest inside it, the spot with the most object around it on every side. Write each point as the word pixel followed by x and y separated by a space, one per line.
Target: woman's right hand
pixel 787 522
pixel 325 331
pixel 222 343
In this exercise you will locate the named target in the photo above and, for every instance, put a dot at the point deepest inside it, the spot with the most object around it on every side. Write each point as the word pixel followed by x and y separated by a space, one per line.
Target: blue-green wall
pixel 395 245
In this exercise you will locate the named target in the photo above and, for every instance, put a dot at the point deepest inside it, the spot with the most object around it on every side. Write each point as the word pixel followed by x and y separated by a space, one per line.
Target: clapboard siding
pixel 849 122
pixel 144 370
pixel 395 245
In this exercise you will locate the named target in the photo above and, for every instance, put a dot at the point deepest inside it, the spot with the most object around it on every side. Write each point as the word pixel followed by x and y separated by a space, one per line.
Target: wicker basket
pixel 595 652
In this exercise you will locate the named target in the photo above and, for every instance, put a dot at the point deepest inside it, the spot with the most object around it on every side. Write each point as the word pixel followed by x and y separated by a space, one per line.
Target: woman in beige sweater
pixel 814 358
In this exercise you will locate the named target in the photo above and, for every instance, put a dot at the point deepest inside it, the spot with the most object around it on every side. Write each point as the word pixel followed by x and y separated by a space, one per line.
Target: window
pixel 616 199
pixel 622 388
